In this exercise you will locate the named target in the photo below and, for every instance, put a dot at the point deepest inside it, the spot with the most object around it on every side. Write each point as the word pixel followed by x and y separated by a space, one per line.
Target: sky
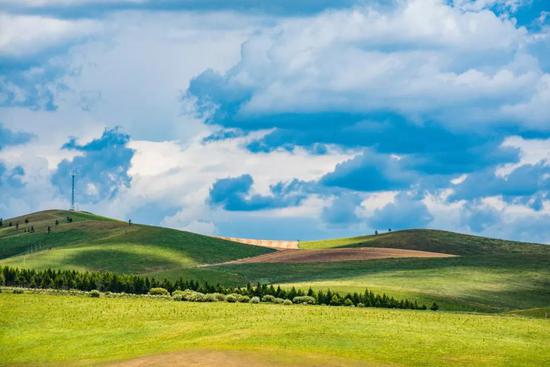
pixel 280 119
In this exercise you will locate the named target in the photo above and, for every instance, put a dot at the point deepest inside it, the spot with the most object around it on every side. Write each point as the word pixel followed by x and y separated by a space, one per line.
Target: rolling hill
pixel 484 274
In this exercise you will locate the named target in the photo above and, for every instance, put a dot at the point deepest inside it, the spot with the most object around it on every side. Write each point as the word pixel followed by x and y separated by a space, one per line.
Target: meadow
pixel 487 275
pixel 57 330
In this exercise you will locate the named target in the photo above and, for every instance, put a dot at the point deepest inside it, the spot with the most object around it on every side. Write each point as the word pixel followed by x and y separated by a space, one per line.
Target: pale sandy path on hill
pixel 275 244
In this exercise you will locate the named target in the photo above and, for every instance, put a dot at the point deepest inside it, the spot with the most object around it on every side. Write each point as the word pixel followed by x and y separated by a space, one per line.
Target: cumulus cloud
pixel 370 172
pixel 522 183
pixel 101 169
pixel 342 211
pixel 404 212
pixel 459 68
pixel 317 125
pixel 24 35
pixel 8 137
pixel 234 193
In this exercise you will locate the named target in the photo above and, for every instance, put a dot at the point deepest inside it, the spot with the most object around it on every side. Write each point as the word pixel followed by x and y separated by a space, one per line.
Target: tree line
pixel 134 284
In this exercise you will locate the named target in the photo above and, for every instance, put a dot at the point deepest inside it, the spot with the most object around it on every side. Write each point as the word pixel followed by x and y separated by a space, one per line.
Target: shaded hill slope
pixel 92 242
pixel 433 240
pixel 487 275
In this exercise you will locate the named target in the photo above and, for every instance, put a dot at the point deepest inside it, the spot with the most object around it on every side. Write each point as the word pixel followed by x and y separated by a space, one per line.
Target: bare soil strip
pixel 207 358
pixel 275 244
pixel 336 255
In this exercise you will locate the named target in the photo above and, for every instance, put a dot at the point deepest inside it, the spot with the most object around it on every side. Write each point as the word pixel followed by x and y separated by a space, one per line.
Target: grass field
pixel 98 243
pixel 488 275
pixel 52 330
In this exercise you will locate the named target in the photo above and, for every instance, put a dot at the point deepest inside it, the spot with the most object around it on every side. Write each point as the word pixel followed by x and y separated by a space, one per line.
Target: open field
pixel 50 330
pixel 336 255
pixel 488 275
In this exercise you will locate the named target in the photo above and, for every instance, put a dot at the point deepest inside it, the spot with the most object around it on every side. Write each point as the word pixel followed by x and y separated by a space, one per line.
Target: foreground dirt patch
pixel 336 255
pixel 231 359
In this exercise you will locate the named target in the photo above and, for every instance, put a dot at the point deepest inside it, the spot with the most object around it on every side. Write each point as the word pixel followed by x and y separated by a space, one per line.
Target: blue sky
pixel 281 119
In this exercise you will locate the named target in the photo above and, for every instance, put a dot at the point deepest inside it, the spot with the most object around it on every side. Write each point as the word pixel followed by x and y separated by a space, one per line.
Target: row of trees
pixel 119 283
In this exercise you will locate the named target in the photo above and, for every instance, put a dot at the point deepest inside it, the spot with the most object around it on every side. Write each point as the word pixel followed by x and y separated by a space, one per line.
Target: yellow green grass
pixel 53 330
pixel 488 275
pixel 96 243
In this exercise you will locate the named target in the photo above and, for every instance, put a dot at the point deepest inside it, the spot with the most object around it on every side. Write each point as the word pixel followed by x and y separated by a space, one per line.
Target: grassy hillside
pixel 488 275
pixel 76 330
pixel 433 240
pixel 92 242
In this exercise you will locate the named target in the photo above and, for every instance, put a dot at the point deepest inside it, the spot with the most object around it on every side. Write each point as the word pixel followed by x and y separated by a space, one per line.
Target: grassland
pixel 73 330
pixel 488 275
pixel 96 243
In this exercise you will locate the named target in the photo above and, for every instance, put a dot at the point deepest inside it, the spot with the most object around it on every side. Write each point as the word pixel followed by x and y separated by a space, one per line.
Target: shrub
pixel 255 300
pixel 95 293
pixel 158 292
pixel 279 301
pixel 287 302
pixel 231 298
pixel 191 296
pixel 360 305
pixel 348 302
pixel 434 307
pixel 177 297
pixel 219 296
pixel 18 291
pixel 243 299
pixel 214 297
pixel 268 298
pixel 307 300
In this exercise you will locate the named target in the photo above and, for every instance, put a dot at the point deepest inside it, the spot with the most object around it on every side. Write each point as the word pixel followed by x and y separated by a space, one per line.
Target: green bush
pixel 255 300
pixel 94 293
pixel 348 302
pixel 434 307
pixel 219 296
pixel 158 292
pixel 231 298
pixel 243 299
pixel 191 296
pixel 287 302
pixel 360 305
pixel 214 297
pixel 177 297
pixel 18 291
pixel 268 298
pixel 304 300
pixel 279 301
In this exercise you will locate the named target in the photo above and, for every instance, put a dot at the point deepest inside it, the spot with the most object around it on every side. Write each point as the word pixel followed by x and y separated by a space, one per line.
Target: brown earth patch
pixel 208 358
pixel 336 255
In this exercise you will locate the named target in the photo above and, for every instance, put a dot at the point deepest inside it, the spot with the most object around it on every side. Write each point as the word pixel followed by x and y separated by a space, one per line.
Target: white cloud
pixel 424 59
pixel 24 35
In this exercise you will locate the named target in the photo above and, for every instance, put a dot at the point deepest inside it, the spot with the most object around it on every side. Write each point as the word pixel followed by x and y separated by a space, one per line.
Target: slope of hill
pixel 92 242
pixel 432 240
pixel 487 275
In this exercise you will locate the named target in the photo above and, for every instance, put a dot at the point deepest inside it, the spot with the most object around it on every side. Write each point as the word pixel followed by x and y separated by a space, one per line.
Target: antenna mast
pixel 72 191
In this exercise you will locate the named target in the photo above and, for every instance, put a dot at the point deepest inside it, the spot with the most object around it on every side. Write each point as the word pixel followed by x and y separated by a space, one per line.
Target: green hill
pixel 489 275
pixel 92 242
pixel 433 240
